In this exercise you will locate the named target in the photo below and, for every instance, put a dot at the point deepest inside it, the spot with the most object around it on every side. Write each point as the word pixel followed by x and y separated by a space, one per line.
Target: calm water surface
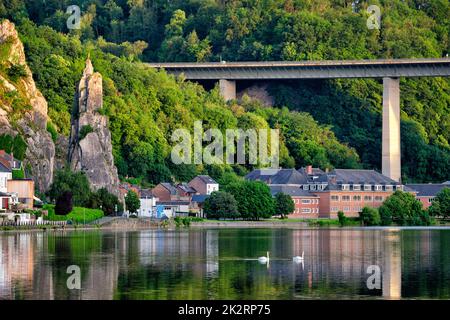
pixel 221 264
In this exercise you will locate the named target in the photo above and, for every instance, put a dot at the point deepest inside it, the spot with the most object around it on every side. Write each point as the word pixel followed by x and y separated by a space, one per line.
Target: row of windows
pixel 306 210
pixel 368 187
pixel 356 198
pixel 346 209
pixel 306 201
pixel 314 187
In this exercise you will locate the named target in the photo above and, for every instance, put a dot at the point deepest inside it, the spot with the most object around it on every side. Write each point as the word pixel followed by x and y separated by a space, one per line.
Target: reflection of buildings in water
pixel 43 285
pixel 16 262
pixel 212 252
pixel 334 257
pixel 101 280
pixel 392 267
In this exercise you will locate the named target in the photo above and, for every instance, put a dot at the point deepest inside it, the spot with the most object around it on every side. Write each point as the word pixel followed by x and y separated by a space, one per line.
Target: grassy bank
pixel 78 214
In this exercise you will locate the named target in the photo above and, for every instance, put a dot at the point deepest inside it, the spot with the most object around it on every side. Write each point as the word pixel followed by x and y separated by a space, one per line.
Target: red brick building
pixel 426 192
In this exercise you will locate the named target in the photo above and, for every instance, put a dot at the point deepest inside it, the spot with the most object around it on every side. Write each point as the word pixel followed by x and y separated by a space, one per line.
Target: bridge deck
pixel 309 69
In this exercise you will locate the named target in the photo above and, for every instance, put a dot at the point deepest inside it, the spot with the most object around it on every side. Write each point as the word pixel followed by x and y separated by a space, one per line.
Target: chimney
pixel 309 170
pixel 327 170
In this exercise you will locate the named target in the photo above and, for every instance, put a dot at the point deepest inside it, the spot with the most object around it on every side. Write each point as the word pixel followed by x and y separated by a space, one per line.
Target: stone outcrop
pixel 258 92
pixel 90 148
pixel 32 125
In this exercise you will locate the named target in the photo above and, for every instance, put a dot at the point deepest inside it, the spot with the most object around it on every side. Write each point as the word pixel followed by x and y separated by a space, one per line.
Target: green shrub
pixel 52 130
pixel 84 131
pixel 342 218
pixel 370 217
pixel 18 174
pixel 16 71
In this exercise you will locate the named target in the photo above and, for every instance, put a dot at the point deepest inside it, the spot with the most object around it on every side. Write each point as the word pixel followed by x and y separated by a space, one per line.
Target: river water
pixel 222 264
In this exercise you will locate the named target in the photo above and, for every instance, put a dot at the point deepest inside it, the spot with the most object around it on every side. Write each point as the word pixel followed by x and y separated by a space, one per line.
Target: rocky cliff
pixel 23 109
pixel 90 148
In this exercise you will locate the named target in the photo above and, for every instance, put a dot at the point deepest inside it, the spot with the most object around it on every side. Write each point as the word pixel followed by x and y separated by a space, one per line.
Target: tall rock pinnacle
pixel 90 148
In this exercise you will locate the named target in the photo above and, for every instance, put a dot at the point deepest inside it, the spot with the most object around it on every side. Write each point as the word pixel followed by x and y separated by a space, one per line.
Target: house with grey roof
pixel 427 192
pixel 204 184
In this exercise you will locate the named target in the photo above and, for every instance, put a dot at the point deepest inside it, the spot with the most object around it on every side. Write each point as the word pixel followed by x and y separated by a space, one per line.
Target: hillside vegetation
pixel 145 106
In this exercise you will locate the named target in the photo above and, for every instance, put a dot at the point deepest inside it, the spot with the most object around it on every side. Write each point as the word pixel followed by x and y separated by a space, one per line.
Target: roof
pixel 173 203
pixel 200 198
pixel 186 188
pixel 293 191
pixel 288 176
pixel 9 161
pixel 146 193
pixel 261 174
pixel 170 187
pixel 427 190
pixel 360 176
pixel 207 179
pixel 4 168
pixel 446 182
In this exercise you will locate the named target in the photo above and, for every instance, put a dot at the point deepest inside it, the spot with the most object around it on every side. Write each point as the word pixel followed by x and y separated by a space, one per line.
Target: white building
pixel 148 204
pixel 204 184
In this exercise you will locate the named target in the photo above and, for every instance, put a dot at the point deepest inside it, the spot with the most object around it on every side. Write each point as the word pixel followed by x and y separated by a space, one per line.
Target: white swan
pixel 264 259
pixel 298 259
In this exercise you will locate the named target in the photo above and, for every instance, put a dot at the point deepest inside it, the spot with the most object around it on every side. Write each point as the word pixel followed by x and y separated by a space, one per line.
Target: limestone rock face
pixel 32 126
pixel 90 148
pixel 258 92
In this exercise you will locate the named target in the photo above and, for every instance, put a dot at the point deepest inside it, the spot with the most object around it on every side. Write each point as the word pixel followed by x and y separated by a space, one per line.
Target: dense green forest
pixel 145 106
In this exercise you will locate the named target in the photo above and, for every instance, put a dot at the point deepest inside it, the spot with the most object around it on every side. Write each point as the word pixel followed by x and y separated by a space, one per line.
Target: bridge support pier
pixel 391 163
pixel 227 89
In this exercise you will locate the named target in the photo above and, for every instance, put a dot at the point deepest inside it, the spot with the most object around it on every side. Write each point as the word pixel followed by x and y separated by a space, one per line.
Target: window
pixel 389 188
pixel 334 209
pixel 356 198
pixel 346 209
pixel 367 187
pixel 399 188
pixel 367 198
pixel 306 210
pixel 305 187
pixel 378 198
pixel 345 187
pixel 378 187
pixel 356 187
pixel 306 201
pixel 313 187
pixel 356 209
pixel 334 198
pixel 430 200
pixel 345 198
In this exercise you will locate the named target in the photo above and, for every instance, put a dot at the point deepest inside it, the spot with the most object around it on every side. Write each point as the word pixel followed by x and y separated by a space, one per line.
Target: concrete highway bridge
pixel 227 73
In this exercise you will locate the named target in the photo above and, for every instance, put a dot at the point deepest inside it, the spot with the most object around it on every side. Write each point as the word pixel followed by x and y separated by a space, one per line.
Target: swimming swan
pixel 298 259
pixel 264 259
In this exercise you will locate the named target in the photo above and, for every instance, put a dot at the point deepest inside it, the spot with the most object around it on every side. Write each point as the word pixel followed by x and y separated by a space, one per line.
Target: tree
pixel 254 199
pixel 402 208
pixel 221 204
pixel 284 204
pixel 64 204
pixel 132 201
pixel 370 216
pixel 441 204
pixel 105 200
pixel 75 182
pixel 342 218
